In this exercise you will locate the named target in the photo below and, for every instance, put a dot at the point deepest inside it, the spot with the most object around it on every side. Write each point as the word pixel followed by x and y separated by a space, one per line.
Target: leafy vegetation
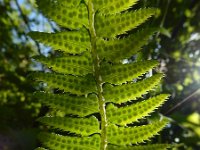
pixel 176 47
pixel 92 78
pixel 17 108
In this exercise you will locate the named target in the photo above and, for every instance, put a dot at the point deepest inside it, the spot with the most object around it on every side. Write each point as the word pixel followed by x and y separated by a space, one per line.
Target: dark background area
pixel 176 46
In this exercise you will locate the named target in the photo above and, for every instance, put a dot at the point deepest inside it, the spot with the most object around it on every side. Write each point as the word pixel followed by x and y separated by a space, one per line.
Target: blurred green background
pixel 176 46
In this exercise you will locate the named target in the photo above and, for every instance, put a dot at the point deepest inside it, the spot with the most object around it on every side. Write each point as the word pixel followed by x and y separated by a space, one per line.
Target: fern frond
pixel 61 13
pixel 121 73
pixel 115 50
pixel 81 106
pixel 142 147
pixel 131 91
pixel 134 135
pixel 126 115
pixel 89 75
pixel 75 65
pixel 112 7
pixel 68 83
pixel 111 26
pixel 82 126
pixel 59 142
pixel 73 42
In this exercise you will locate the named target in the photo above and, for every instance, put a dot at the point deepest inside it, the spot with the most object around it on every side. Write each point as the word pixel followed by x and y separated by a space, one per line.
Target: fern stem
pixel 97 75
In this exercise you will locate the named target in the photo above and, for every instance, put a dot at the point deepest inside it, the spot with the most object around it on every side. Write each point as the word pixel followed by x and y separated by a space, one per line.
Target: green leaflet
pixel 121 73
pixel 111 26
pixel 64 15
pixel 126 115
pixel 68 3
pixel 143 147
pixel 68 83
pixel 75 65
pixel 112 7
pixel 115 50
pixel 72 42
pixel 82 126
pixel 131 91
pixel 69 104
pixel 59 142
pixel 134 135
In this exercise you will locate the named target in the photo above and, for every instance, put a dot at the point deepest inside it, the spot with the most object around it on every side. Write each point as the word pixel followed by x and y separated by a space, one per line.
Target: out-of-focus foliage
pixel 17 109
pixel 178 48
